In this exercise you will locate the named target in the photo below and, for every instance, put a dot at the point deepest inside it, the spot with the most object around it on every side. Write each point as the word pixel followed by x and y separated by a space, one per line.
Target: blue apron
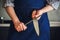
pixel 23 9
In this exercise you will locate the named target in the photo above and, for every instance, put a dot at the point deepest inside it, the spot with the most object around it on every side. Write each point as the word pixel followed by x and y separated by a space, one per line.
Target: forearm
pixel 19 26
pixel 11 13
pixel 47 8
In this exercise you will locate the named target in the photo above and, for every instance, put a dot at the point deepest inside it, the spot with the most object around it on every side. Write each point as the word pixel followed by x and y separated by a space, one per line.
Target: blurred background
pixel 54 18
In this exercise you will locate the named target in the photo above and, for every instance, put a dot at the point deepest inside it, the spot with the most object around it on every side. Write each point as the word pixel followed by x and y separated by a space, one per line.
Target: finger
pixel 38 18
pixel 33 13
pixel 24 27
pixel 18 29
pixel 37 15
pixel 21 26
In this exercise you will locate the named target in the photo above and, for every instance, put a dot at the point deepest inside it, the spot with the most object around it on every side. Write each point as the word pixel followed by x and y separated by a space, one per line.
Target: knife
pixel 36 25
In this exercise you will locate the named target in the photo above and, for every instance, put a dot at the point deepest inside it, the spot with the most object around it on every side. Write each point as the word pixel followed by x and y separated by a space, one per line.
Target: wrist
pixel 15 20
pixel 41 11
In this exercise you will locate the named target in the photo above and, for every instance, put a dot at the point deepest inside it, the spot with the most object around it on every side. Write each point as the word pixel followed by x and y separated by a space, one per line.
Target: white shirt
pixel 53 3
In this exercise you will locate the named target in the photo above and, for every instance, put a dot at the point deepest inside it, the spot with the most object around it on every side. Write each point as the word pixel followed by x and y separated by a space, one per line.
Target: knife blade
pixel 36 25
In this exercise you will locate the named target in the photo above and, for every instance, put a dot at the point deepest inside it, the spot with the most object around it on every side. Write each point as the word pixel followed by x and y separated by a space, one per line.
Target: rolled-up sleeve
pixel 54 3
pixel 8 3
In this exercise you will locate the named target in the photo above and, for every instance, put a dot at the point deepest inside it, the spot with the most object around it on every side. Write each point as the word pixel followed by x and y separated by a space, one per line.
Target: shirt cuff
pixel 55 5
pixel 8 4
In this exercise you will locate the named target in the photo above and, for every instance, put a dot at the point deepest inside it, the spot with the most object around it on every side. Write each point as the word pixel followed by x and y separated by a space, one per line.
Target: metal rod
pixel 28 22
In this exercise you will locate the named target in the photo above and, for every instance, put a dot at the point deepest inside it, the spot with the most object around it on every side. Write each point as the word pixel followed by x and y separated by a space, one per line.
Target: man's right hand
pixel 19 26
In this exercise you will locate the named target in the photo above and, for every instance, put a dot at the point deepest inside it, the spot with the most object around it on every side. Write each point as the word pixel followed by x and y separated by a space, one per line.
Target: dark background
pixel 54 32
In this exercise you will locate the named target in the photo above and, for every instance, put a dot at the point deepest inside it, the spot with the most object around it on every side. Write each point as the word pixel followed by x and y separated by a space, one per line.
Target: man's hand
pixel 19 26
pixel 36 14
